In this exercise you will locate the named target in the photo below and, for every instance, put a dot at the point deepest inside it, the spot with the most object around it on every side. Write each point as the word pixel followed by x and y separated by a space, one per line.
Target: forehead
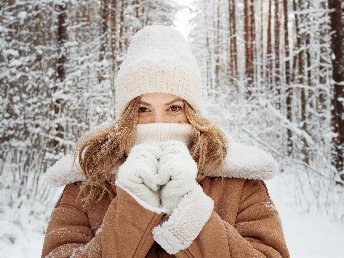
pixel 159 97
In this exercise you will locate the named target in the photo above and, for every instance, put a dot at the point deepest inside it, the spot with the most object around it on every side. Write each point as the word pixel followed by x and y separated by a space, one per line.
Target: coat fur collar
pixel 242 161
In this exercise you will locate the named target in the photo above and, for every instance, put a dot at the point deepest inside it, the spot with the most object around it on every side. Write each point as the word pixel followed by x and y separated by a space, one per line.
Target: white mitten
pixel 186 221
pixel 138 175
pixel 177 171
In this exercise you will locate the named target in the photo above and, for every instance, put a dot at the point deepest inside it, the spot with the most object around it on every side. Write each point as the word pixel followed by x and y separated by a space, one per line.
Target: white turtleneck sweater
pixel 159 132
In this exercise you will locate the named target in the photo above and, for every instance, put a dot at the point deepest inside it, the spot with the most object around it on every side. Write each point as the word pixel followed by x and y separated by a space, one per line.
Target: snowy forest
pixel 273 75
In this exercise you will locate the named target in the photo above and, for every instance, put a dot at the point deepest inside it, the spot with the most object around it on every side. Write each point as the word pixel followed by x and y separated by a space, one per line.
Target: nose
pixel 159 117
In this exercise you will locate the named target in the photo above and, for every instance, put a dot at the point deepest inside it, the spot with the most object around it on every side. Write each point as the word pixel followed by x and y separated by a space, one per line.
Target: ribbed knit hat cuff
pixel 177 80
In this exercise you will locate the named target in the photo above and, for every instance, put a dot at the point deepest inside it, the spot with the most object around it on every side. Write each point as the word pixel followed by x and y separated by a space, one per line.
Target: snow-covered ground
pixel 22 224
pixel 307 235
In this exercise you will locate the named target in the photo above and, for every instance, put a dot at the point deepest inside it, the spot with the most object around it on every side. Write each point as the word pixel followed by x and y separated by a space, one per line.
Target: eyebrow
pixel 168 103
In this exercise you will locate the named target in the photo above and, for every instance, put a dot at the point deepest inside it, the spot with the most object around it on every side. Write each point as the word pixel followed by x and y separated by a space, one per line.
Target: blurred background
pixel 273 75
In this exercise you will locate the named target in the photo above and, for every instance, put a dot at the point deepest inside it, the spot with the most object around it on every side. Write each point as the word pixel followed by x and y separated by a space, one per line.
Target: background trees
pixel 280 76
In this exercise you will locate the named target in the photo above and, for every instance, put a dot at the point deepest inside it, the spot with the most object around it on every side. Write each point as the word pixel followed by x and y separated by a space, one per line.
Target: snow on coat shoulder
pixel 242 161
pixel 64 171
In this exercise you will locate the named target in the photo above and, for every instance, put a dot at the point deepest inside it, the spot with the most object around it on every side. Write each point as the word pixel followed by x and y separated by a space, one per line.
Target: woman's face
pixel 161 108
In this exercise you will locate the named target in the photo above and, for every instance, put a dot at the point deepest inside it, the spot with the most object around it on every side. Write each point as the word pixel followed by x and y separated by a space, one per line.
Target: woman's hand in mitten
pixel 138 175
pixel 177 171
pixel 189 208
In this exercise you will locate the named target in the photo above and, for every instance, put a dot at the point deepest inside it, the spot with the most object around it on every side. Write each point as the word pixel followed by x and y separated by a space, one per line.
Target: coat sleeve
pixel 125 231
pixel 257 231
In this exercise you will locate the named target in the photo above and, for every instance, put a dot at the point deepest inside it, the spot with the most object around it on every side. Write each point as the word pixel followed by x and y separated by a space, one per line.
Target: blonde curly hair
pixel 103 150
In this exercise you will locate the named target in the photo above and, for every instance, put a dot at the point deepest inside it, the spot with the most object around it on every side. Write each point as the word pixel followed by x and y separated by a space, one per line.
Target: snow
pixel 22 15
pixel 308 235
pixel 23 223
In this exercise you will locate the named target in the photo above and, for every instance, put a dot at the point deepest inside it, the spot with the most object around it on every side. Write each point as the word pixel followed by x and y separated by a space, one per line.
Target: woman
pixel 163 181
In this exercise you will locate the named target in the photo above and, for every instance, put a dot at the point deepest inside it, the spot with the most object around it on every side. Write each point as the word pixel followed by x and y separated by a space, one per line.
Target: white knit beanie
pixel 158 59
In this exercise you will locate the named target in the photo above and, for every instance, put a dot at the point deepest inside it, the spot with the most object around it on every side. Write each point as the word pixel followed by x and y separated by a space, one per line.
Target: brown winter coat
pixel 244 223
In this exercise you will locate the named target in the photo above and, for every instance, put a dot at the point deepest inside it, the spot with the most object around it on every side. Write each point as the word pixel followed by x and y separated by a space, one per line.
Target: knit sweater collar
pixel 153 133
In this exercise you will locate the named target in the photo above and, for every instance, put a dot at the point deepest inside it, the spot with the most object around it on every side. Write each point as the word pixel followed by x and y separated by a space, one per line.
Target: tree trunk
pixel 61 40
pixel 268 75
pixel 277 75
pixel 301 38
pixel 253 44
pixel 114 48
pixel 103 37
pixel 248 48
pixel 208 46
pixel 61 74
pixel 321 105
pixel 217 46
pixel 338 80
pixel 126 28
pixel 121 26
pixel 289 90
pixel 262 58
pixel 233 44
